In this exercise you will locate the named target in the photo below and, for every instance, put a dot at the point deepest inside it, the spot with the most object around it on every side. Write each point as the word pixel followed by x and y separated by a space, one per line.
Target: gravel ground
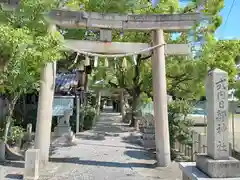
pixel 108 152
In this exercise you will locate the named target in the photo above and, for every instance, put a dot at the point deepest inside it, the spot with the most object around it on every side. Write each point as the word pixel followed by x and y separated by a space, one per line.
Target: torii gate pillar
pixel 160 101
pixel 44 114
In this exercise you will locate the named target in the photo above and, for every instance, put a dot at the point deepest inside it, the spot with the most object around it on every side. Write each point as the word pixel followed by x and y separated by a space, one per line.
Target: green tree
pixel 25 46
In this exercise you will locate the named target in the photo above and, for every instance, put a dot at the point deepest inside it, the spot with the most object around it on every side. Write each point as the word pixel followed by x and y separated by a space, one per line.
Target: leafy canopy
pixel 25 46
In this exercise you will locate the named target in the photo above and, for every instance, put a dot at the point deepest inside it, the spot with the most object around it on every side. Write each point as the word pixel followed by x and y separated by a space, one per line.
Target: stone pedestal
pixel 148 137
pixel 31 170
pixel 63 126
pixel 218 168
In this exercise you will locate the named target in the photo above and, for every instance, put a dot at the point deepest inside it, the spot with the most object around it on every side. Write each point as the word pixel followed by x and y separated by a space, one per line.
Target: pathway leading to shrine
pixel 110 151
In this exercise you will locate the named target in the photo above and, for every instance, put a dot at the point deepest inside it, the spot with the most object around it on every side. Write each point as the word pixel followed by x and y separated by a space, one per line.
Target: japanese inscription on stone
pixel 217 108
pixel 221 112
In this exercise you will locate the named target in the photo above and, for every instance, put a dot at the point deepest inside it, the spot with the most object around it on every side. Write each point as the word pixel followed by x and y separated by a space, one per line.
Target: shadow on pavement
pixel 95 136
pixel 143 155
pixel 14 176
pixel 102 163
pixel 17 164
pixel 112 146
pixel 134 139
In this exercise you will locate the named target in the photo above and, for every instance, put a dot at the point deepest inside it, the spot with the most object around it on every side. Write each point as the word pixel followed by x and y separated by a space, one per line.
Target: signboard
pixel 62 104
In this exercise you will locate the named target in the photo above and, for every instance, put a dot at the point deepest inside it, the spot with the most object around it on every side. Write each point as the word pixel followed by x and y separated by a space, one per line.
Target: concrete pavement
pixel 109 151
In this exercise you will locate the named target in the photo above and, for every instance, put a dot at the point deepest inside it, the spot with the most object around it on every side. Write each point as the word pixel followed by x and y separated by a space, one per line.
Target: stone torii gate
pixel 156 23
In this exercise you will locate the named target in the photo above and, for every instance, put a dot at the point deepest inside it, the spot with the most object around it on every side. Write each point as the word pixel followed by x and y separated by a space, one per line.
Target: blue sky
pixel 230 28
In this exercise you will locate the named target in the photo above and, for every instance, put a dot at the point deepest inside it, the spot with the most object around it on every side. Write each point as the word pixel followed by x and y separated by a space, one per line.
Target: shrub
pixel 89 117
pixel 89 114
pixel 179 126
pixel 16 134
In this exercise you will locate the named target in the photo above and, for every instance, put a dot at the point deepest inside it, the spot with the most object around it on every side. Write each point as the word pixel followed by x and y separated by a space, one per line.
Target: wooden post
pixel 194 143
pixel 233 131
pixel 230 149
pixel 199 143
pixel 160 101
pixel 77 114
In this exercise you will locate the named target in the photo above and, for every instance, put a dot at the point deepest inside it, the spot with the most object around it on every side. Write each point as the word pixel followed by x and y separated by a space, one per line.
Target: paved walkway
pixel 108 152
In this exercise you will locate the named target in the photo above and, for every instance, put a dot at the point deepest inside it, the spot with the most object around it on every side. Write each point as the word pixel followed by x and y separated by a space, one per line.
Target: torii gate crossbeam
pixel 122 47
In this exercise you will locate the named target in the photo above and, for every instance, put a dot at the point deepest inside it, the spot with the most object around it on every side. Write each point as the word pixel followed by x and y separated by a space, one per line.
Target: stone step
pixel 148 143
pixel 148 136
pixel 148 130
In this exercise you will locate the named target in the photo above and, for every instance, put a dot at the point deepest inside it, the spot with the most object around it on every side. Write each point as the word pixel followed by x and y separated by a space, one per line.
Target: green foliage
pixel 17 134
pixel 222 54
pixel 111 6
pixel 25 46
pixel 89 114
pixel 89 117
pixel 237 87
pixel 24 55
pixel 179 126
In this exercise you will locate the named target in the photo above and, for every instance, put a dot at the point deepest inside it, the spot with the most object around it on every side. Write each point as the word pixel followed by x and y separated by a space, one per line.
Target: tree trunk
pixel 134 109
pixel 8 120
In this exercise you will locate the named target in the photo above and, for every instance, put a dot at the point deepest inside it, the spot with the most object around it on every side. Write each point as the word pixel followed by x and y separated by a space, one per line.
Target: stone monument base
pixel 218 168
pixel 61 130
pixel 191 172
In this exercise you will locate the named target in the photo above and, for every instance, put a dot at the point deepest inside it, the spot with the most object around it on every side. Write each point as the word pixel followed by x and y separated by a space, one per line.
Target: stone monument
pixel 63 127
pixel 216 163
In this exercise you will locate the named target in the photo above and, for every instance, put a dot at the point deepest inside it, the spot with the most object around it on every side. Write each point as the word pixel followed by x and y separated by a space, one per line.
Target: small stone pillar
pixel 2 150
pixel 31 170
pixel 78 114
pixel 29 132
